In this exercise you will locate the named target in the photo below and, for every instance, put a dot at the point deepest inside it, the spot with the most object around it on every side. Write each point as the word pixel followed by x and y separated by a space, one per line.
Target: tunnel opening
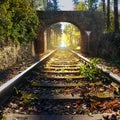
pixel 62 35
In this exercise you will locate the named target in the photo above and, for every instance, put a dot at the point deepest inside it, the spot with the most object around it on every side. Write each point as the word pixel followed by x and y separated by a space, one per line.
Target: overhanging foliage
pixel 18 21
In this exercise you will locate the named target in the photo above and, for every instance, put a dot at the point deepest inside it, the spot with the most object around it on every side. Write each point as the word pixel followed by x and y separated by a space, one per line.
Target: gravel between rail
pixel 12 71
pixel 41 90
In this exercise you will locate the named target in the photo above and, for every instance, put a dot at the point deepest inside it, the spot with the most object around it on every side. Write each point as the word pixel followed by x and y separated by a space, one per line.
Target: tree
pixel 108 14
pixel 55 4
pixel 103 6
pixel 45 4
pixel 5 22
pixel 91 5
pixel 75 2
pixel 116 22
pixel 37 4
pixel 55 33
pixel 52 5
pixel 72 35
pixel 80 6
pixel 32 2
pixel 18 21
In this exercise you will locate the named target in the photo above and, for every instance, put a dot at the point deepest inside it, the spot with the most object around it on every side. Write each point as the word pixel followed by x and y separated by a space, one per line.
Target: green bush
pixel 5 22
pixel 18 21
pixel 89 70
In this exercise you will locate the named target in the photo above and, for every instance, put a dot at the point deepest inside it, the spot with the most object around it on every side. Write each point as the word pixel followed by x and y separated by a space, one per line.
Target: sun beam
pixel 63 44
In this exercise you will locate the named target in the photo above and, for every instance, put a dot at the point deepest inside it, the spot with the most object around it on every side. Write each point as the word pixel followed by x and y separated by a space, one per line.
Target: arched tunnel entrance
pixel 62 35
pixel 84 20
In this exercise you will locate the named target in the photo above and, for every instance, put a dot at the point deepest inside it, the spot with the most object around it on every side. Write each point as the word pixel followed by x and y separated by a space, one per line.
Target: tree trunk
pixel 104 6
pixel 108 14
pixel 116 22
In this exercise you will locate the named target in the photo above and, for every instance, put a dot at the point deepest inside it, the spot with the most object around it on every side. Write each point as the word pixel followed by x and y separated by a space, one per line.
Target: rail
pixel 109 73
pixel 10 84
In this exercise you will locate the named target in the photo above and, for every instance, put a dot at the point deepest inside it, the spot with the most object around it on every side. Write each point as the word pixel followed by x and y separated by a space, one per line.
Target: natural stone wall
pixel 12 54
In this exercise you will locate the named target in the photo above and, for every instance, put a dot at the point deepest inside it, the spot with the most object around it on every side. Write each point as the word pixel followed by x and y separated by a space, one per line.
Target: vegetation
pixel 53 33
pixel 5 22
pixel 90 70
pixel 81 6
pixel 111 43
pixel 72 35
pixel 37 4
pixel 28 97
pixel 111 36
pixel 18 21
pixel 52 5
pixel 91 5
pixel 110 9
pixel 116 22
pixel 75 2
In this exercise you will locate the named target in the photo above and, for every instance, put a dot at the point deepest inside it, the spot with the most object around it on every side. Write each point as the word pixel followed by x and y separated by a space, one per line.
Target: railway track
pixel 55 89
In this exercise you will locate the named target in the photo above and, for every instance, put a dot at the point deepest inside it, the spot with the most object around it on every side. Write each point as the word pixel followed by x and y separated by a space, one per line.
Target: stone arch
pixel 84 20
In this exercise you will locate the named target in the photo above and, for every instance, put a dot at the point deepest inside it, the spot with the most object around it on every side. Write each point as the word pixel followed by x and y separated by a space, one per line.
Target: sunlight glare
pixel 63 45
